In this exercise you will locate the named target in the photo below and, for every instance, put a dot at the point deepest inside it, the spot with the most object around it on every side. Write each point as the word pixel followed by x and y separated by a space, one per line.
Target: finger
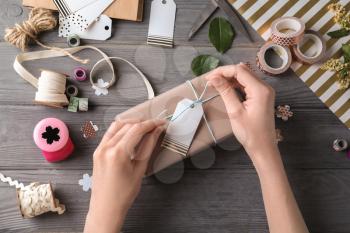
pixel 240 73
pixel 145 150
pixel 228 94
pixel 133 137
pixel 120 134
pixel 115 127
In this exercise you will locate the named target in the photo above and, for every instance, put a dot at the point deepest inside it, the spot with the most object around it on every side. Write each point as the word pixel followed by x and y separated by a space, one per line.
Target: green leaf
pixel 203 64
pixel 338 33
pixel 346 52
pixel 221 34
pixel 343 73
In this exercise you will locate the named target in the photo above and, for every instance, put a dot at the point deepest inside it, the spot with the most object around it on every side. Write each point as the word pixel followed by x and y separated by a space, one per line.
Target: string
pixel 199 100
pixel 39 20
pixel 11 182
pixel 150 90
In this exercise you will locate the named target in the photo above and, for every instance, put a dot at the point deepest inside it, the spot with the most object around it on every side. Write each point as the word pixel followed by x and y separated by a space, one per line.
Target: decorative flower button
pixel 284 112
pixel 101 87
pixel 51 135
pixel 86 182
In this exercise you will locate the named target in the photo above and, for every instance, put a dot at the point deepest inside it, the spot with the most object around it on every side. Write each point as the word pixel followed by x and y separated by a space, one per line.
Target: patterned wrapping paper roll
pixel 51 135
pixel 287 31
pixel 283 52
pixel 318 54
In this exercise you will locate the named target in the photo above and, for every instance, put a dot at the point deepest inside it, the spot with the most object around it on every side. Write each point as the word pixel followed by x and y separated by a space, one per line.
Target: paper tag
pixel 162 23
pixel 183 126
pixel 68 7
pixel 101 29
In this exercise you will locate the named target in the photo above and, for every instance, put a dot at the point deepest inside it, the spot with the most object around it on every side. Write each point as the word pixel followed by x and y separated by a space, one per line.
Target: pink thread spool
pixel 80 74
pixel 51 135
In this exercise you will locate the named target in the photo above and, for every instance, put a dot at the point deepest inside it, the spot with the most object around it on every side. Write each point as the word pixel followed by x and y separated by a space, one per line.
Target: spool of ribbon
pixel 51 135
pixel 34 199
pixel 287 31
pixel 80 74
pixel 72 91
pixel 314 46
pixel 73 40
pixel 51 89
pixel 340 145
pixel 268 53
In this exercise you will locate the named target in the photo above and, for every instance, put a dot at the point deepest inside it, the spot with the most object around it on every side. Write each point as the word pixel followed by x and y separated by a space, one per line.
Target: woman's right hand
pixel 253 119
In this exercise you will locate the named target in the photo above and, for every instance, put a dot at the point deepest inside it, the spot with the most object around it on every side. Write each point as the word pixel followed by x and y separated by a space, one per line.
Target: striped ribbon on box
pixel 261 13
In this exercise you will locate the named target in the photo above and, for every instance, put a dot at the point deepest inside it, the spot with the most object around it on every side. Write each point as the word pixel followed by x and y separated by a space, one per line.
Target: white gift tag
pixel 162 23
pixel 68 7
pixel 83 18
pixel 101 29
pixel 183 126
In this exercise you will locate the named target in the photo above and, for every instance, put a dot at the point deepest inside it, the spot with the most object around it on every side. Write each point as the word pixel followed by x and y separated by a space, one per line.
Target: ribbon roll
pixel 73 40
pixel 51 89
pixel 273 59
pixel 340 145
pixel 80 74
pixel 311 49
pixel 287 31
pixel 51 135
pixel 72 91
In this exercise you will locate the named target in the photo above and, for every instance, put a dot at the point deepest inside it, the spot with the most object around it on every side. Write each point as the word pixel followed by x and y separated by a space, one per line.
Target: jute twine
pixel 39 20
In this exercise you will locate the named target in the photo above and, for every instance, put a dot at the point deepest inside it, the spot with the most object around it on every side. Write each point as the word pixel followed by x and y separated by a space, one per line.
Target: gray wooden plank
pixel 202 201
pixel 303 147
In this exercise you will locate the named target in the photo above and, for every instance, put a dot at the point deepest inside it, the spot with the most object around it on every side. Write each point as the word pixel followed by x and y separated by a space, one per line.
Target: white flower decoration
pixel 101 87
pixel 86 182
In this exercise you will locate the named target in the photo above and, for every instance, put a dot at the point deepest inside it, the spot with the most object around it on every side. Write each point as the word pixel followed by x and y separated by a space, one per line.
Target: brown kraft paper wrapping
pixel 214 110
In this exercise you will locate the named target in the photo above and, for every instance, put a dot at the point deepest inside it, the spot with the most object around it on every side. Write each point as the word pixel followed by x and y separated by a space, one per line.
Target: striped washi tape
pixel 315 15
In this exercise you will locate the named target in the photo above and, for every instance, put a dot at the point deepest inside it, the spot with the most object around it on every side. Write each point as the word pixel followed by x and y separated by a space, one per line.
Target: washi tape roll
pixel 73 40
pixel 72 91
pixel 311 49
pixel 340 145
pixel 80 74
pixel 51 135
pixel 287 31
pixel 273 59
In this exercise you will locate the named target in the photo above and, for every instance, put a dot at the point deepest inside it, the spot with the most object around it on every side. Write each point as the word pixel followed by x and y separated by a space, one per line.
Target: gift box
pixel 121 9
pixel 214 111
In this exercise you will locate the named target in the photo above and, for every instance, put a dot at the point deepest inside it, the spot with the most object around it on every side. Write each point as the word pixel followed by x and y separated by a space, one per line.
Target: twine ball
pixel 40 20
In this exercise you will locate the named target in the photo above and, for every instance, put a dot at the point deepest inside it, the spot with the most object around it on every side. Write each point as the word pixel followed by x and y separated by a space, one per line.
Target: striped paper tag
pixel 261 13
pixel 183 126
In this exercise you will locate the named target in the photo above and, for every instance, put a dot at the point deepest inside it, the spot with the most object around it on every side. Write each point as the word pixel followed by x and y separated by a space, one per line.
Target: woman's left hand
pixel 120 162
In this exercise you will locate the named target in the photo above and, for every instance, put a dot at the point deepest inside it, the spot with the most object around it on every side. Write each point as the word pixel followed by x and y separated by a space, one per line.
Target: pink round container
pixel 51 135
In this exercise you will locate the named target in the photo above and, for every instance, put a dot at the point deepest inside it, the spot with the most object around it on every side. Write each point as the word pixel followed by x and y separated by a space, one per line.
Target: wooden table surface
pixel 223 198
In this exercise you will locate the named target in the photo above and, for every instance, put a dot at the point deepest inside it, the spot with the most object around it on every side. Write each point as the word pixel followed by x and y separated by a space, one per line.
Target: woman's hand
pixel 253 124
pixel 120 162
pixel 253 119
